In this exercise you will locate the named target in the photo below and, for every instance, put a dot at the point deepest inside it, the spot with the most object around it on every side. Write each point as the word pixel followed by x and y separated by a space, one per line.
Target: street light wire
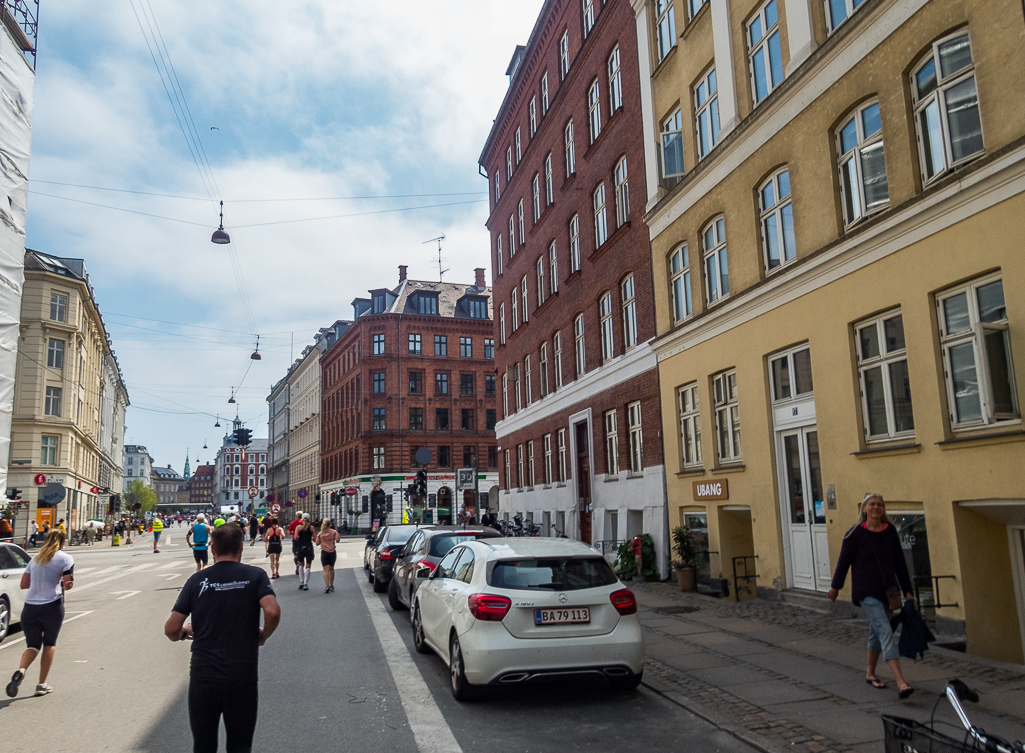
pixel 359 214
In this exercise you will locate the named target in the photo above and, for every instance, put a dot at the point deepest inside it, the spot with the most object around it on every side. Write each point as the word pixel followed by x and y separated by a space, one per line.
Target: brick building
pixel 201 486
pixel 239 469
pixel 415 369
pixel 572 281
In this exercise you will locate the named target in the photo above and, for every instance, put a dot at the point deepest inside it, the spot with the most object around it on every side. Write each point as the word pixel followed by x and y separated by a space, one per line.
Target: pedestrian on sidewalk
pixel 327 540
pixel 637 547
pixel 33 536
pixel 879 574
pixel 254 528
pixel 225 603
pixel 304 551
pixel 158 528
pixel 48 575
pixel 198 537
pixel 272 538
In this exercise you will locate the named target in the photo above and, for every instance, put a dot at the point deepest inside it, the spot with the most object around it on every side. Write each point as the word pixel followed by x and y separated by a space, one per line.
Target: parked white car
pixel 13 561
pixel 512 610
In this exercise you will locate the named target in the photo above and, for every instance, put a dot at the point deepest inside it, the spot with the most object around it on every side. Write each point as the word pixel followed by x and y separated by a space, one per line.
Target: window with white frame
pixel 601 223
pixel 58 307
pixel 549 181
pixel 564 55
pixel 48 451
pixel 508 164
pixel 561 435
pixel 777 220
pixel 837 11
pixel 378 458
pixel 717 271
pixel 611 443
pixel 553 267
pixel 581 353
pixel 791 374
pixel 542 362
pixel 706 117
pixel 679 281
pixel 594 109
pixel 519 466
pixel 508 471
pixel 764 54
pixel 622 193
pixel 547 441
pixel 690 425
pixel 544 94
pixel 528 391
pixel 946 106
pixel 615 82
pixel 55 354
pixel 574 243
pixel 53 401
pixel 633 413
pixel 629 312
pixel 501 323
pixel 976 346
pixel 498 187
pixel 541 266
pixel 530 463
pixel 571 152
pixel 665 23
pixel 512 236
pixel 518 386
pixel 859 147
pixel 535 188
pixel 605 316
pixel 524 296
pixel 883 377
pixel 693 6
pixel 514 305
pixel 557 359
pixel 532 115
pixel 505 394
pixel 519 147
pixel 498 253
pixel 727 417
pixel 588 16
pixel 520 226
pixel 672 149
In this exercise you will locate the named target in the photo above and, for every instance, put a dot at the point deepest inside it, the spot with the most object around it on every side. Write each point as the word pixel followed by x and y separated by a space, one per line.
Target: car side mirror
pixel 423 573
pixel 370 537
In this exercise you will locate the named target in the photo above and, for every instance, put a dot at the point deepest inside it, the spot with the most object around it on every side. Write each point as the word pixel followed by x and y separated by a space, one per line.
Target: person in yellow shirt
pixel 60 525
pixel 158 528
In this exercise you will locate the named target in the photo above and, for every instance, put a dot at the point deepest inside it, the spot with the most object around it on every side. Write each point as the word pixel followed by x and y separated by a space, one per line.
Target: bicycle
pixel 910 736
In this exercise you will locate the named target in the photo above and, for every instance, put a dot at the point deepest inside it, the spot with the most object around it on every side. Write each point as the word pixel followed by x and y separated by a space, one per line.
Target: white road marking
pixel 176 563
pixel 167 576
pixel 84 570
pixel 126 594
pixel 430 730
pixel 16 641
pixel 106 570
pixel 143 566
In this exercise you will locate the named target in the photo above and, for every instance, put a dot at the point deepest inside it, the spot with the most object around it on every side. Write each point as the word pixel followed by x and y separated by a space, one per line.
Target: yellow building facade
pixel 838 198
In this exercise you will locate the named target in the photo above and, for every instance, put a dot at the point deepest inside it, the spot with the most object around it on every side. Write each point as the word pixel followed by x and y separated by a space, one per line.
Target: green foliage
pixel 139 492
pixel 683 547
pixel 625 566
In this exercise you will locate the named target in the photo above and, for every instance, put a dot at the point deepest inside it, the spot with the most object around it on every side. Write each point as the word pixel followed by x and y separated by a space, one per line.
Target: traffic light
pixel 243 437
pixel 421 482
pixel 13 493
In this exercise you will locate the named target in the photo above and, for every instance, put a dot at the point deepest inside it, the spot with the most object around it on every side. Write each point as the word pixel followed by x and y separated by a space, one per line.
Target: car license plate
pixel 561 616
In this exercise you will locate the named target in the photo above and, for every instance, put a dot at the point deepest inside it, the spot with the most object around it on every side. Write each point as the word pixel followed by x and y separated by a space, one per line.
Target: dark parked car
pixel 425 549
pixel 381 558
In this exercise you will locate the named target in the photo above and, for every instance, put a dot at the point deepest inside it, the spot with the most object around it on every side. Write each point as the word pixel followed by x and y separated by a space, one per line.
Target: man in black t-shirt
pixel 225 602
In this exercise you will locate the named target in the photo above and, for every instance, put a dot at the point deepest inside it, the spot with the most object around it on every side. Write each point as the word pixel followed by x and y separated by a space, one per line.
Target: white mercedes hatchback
pixel 508 611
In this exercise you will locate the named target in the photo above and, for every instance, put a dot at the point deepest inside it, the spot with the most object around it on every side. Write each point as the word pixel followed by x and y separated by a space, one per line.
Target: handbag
pixel 894 598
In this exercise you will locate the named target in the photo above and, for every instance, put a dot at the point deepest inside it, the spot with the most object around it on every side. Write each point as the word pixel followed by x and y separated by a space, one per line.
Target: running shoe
pixel 327 589
pixel 42 689
pixel 332 589
pixel 300 586
pixel 12 686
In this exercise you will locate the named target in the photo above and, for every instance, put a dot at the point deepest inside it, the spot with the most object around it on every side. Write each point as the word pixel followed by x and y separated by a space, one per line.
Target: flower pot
pixel 687 577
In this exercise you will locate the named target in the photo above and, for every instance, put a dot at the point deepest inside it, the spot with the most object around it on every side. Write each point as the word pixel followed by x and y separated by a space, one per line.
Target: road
pixel 340 673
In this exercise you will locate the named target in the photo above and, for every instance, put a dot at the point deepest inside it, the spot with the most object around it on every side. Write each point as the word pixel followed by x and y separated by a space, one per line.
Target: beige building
pixel 69 398
pixel 836 216
pixel 304 429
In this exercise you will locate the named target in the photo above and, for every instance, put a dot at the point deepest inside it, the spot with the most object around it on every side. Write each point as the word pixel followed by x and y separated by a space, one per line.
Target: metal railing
pixel 21 17
pixel 747 576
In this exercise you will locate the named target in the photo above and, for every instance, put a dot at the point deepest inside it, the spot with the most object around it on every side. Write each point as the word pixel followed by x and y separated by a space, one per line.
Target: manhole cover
pixel 676 610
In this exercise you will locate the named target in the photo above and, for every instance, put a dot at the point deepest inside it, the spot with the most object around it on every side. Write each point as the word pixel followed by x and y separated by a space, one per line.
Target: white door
pixel 804 508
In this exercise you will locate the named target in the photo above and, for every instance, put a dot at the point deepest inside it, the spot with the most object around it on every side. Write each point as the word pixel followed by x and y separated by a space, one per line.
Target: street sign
pixel 275 508
pixel 466 479
pixel 302 493
pixel 52 494
pixel 253 491
pixel 424 456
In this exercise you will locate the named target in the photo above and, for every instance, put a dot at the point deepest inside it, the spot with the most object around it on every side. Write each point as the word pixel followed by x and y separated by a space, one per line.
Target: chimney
pixel 402 272
pixel 479 282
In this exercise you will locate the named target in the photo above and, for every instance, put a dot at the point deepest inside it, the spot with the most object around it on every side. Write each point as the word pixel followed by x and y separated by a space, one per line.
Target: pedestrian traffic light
pixel 13 493
pixel 421 482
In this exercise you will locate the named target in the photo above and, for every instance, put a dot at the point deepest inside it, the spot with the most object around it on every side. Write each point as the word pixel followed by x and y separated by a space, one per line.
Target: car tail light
pixel 387 554
pixel 624 602
pixel 488 607
pixel 428 564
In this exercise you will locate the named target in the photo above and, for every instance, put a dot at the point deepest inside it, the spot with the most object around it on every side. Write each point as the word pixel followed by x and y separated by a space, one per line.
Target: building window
pixel 469 456
pixel 553 267
pixel 489 348
pixel 505 394
pixel 528 391
pixel 557 359
pixel 519 466
pixel 478 309
pixel 441 419
pixel 693 6
pixel 540 268
pixel 706 108
pixel 791 374
pixel 883 376
pixel 380 303
pixel 468 424
pixel 679 269
pixel 524 296
pixel 415 345
pixel 498 187
pixel 530 464
pixel 544 94
pixel 578 334
pixel 766 58
pixel 519 150
pixel 629 313
pixel 672 149
pixel 976 346
pixel 416 383
pixel 611 443
pixel 615 82
pixel 378 458
pixel 519 223
pixel 561 435
pixel 501 323
pixel 571 151
pixel 574 243
pixel 549 184
pixel 512 236
pixel 55 354
pixel 466 386
pixel 622 194
pixel 547 447
pixel 601 225
pixel 441 345
pixel 777 213
pixel 633 412
pixel 58 307
pixel 532 114
pixel 508 164
pixel 514 297
pixel 859 146
pixel 839 10
pixel 588 22
pixel 594 109
pixel 427 305
pixel 466 347
pixel 441 384
pixel 564 55
pixel 535 188
pixel 605 315
pixel 690 425
pixel 717 272
pixel 489 385
pixel 378 341
pixel 444 456
pixel 498 254
pixel 416 418
pixel 508 471
pixel 491 419
pixel 727 417
pixel 946 107
pixel 53 401
pixel 665 22
pixel 48 453
pixel 542 362
pixel 379 424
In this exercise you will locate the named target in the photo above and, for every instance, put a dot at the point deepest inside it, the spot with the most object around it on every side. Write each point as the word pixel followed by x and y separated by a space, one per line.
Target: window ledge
pixel 885 450
pixel 540 309
pixel 573 277
pixel 608 126
pixel 519 491
pixel 731 468
pixel 662 63
pixel 697 17
pixel 611 241
pixel 540 220
pixel 610 479
pixel 976 440
pixel 560 484
pixel 631 474
pixel 530 488
pixel 691 472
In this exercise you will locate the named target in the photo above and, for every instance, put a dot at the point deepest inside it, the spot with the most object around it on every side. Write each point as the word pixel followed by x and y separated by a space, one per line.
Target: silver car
pixel 13 561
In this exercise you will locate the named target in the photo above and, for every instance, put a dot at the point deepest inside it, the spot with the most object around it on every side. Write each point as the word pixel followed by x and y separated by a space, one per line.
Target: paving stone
pixel 846 725
pixel 742 648
pixel 774 691
pixel 725 676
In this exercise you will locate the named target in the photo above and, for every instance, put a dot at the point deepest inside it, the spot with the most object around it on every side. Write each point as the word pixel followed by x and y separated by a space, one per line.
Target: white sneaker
pixel 42 689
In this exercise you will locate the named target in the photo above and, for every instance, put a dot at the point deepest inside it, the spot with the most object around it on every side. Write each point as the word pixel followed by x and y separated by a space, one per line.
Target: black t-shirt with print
pixel 224 601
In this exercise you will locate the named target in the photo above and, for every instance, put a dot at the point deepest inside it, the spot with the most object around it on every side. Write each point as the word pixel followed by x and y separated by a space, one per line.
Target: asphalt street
pixel 340 673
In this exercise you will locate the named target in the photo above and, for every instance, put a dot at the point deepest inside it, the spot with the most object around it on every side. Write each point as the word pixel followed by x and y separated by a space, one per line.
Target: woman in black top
pixel 304 550
pixel 871 551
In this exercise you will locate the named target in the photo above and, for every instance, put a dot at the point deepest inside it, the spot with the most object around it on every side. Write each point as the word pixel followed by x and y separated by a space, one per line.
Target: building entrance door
pixel 583 480
pixel 804 513
pixel 1017 536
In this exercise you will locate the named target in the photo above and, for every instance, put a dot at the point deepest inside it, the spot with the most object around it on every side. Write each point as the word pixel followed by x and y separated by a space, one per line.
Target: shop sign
pixel 352 491
pixel 717 489
pixel 41 479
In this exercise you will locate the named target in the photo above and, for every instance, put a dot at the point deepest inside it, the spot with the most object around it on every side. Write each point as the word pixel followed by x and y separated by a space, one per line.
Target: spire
pixel 188 473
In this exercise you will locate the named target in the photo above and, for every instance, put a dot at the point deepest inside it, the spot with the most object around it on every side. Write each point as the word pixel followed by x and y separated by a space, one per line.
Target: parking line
pixel 430 730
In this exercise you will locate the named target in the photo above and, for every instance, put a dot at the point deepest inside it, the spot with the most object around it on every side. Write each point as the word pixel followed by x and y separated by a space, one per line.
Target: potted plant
pixel 685 563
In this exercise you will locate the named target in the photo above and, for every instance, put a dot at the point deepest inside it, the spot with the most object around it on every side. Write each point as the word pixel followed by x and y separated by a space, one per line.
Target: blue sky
pixel 310 99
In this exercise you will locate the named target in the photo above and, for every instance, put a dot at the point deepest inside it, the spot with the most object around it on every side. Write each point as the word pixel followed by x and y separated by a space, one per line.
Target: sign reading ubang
pixel 717 489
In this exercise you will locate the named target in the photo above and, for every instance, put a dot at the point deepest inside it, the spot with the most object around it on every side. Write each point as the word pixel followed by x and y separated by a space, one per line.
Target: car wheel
pixel 419 640
pixel 379 587
pixel 462 690
pixel 5 618
pixel 626 682
pixel 393 596
pixel 370 576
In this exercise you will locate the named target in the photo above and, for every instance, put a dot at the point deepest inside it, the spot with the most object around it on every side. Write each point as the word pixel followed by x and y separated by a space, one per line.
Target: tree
pixel 139 492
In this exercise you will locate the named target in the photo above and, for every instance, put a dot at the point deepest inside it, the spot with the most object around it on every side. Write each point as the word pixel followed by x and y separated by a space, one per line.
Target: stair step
pixel 816 601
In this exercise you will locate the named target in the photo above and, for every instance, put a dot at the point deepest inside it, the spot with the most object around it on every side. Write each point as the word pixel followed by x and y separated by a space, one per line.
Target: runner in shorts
pixel 272 538
pixel 198 537
pixel 304 550
pixel 48 575
pixel 291 532
pixel 327 539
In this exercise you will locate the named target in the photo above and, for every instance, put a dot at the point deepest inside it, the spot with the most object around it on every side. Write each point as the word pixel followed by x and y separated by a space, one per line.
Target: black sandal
pixel 906 693
pixel 876 683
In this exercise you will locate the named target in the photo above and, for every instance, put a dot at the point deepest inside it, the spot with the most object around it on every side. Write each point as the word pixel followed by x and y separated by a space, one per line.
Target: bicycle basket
pixel 909 736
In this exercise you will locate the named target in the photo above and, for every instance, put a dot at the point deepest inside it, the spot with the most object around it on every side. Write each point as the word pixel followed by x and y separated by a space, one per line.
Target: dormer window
pixel 380 303
pixel 478 308
pixel 427 304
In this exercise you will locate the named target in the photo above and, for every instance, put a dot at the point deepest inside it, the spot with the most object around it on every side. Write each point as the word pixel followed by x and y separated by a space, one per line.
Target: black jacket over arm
pixel 876 562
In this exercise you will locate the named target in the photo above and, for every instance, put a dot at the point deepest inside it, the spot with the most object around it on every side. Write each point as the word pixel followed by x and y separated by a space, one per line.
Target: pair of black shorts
pixel 274 547
pixel 41 623
pixel 304 554
pixel 328 559
pixel 200 555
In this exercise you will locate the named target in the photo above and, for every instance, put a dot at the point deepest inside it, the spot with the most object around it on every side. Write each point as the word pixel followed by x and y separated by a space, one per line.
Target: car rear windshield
pixel 552 574
pixel 440 545
pixel 398 534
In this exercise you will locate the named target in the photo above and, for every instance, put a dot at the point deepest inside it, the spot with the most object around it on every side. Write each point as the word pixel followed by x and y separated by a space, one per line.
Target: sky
pixel 299 108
